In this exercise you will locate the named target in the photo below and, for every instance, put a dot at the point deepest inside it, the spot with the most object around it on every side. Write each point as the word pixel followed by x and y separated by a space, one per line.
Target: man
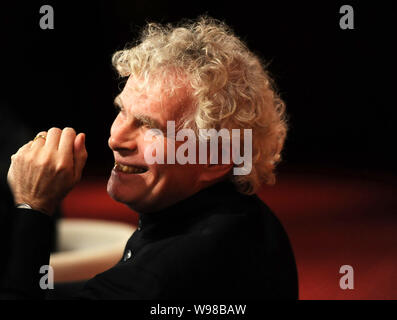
pixel 202 233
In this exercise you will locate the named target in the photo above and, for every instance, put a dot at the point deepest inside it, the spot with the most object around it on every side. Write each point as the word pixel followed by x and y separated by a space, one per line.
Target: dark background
pixel 336 189
pixel 339 85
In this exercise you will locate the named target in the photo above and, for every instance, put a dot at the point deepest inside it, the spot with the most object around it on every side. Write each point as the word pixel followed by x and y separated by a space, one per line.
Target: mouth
pixel 129 169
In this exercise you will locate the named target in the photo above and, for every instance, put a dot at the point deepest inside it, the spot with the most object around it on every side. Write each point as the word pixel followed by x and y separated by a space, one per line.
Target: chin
pixel 120 193
pixel 133 199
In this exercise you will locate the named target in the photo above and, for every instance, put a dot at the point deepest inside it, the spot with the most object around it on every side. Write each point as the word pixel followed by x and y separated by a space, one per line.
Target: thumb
pixel 80 155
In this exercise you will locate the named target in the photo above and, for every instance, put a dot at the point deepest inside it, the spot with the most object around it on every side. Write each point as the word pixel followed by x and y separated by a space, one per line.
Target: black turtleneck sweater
pixel 217 244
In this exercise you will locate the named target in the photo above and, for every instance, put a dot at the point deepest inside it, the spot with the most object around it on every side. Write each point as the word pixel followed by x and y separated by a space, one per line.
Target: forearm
pixel 29 251
pixel 41 173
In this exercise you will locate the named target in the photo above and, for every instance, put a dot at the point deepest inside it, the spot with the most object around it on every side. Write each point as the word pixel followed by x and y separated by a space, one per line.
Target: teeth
pixel 127 169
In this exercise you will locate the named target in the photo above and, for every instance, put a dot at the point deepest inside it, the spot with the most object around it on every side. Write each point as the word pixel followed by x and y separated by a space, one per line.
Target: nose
pixel 123 137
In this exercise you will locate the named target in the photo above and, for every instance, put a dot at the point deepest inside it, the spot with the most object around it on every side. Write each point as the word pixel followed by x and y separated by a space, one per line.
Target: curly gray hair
pixel 231 88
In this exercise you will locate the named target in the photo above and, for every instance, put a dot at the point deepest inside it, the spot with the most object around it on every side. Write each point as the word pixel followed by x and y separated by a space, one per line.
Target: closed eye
pixel 140 120
pixel 141 123
pixel 146 122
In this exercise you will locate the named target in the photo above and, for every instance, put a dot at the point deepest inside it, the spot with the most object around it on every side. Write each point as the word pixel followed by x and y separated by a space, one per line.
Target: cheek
pixel 160 154
pixel 154 149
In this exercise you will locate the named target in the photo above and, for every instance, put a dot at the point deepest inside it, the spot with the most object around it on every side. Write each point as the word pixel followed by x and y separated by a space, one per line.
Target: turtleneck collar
pixel 198 204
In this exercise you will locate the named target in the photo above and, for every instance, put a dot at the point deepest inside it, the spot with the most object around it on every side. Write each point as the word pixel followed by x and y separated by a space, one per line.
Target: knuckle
pixel 27 157
pixel 14 157
pixel 20 150
pixel 44 161
pixel 63 167
pixel 43 157
pixel 60 167
pixel 20 156
pixel 26 145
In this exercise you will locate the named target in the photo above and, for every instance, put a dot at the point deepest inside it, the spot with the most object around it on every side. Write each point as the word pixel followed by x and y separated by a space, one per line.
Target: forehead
pixel 160 99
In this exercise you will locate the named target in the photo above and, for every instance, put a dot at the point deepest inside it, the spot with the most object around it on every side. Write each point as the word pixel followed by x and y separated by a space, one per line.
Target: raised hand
pixel 44 170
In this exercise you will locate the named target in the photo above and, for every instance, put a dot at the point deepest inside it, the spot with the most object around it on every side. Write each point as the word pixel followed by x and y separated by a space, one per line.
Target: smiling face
pixel 148 187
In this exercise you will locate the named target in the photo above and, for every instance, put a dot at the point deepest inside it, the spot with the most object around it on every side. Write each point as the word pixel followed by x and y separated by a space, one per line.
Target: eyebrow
pixel 141 118
pixel 146 120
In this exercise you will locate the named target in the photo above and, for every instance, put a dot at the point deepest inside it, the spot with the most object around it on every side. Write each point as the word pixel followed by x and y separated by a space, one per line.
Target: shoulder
pixel 230 227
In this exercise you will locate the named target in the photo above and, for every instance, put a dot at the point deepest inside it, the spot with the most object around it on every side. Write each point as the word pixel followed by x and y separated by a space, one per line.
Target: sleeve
pixel 29 250
pixel 125 281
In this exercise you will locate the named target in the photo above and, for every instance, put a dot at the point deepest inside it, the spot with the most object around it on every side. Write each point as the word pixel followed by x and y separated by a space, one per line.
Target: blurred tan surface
pixel 87 247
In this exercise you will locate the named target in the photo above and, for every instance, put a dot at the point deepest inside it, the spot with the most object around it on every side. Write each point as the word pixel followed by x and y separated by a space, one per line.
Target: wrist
pixel 48 210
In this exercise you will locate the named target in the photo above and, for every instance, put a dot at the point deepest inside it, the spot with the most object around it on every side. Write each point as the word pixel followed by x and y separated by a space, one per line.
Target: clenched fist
pixel 44 170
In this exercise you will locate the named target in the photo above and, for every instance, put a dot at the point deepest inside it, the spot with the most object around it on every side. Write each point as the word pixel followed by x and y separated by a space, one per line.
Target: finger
pixel 22 149
pixel 25 147
pixel 66 143
pixel 39 141
pixel 80 155
pixel 53 137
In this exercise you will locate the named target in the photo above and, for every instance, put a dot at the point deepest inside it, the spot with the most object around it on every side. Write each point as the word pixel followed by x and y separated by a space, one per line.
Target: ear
pixel 214 172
